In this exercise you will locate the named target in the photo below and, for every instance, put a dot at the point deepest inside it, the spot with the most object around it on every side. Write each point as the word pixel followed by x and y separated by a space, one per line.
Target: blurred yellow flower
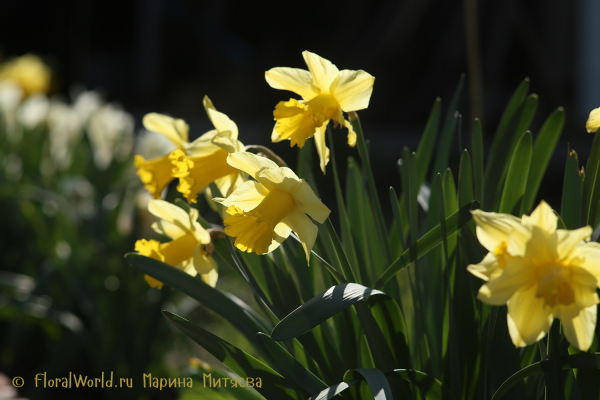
pixel 186 249
pixel 593 122
pixel 263 213
pixel 29 72
pixel 156 174
pixel 205 160
pixel 326 92
pixel 541 273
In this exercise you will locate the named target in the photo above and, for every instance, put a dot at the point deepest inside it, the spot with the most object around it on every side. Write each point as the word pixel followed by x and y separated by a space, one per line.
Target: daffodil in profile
pixel 263 212
pixel 541 273
pixel 593 122
pixel 156 174
pixel 205 160
pixel 186 249
pixel 326 93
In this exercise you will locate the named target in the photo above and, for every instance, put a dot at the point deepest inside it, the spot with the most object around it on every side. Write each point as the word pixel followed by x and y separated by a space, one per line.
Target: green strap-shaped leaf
pixel 516 179
pixel 544 146
pixel 377 381
pixel 570 210
pixel 389 317
pixel 583 360
pixel 273 385
pixel 320 308
pixel 225 304
pixel 477 159
pixel 427 242
pixel 334 390
pixel 503 140
pixel 427 143
pixel 287 365
pixel 592 186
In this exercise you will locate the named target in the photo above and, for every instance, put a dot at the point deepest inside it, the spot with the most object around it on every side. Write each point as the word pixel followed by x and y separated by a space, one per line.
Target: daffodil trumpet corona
pixel 541 273
pixel 326 92
pixel 205 160
pixel 186 249
pixel 156 174
pixel 264 211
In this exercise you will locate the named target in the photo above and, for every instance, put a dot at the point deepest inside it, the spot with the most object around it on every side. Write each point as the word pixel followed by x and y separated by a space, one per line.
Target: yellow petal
pixel 176 130
pixel 351 133
pixel 579 325
pixel 486 268
pixel 323 71
pixel 154 283
pixel 354 89
pixel 179 250
pixel 304 229
pixel 283 178
pixel 252 165
pixel 296 121
pixel 211 277
pixel 518 272
pixel 587 257
pixel 203 263
pixel 568 240
pixel 220 121
pixel 528 319
pixel 322 148
pixel 593 122
pixel 296 80
pixel 170 213
pixel 247 197
pixel 493 229
pixel 203 146
pixel 282 232
pixel 168 229
pixel 227 184
pixel 307 202
pixel 226 143
pixel 543 217
pixel 275 138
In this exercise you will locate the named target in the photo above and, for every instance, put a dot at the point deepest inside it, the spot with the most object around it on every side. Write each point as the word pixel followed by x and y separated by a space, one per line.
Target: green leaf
pixel 389 317
pixel 427 143
pixel 320 308
pixel 503 140
pixel 570 211
pixel 273 385
pixel 427 242
pixel 465 180
pixel 430 388
pixel 544 146
pixel 591 187
pixel 516 179
pixel 445 142
pixel 334 390
pixel 287 365
pixel 376 380
pixel 225 304
pixel 583 360
pixel 478 159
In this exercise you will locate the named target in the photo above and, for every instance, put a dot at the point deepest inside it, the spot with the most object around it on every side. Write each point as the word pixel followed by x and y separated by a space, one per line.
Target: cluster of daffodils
pixel 540 273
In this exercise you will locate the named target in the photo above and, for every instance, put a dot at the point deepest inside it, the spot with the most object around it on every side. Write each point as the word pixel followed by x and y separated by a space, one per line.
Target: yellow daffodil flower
pixel 205 160
pixel 186 249
pixel 541 273
pixel 29 72
pixel 263 213
pixel 156 174
pixel 326 92
pixel 593 122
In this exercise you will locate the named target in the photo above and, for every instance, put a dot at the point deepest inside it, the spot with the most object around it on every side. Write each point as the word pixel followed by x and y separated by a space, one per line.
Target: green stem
pixel 366 163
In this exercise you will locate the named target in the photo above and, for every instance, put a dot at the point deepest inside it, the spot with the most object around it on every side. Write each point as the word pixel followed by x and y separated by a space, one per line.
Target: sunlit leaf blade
pixel 445 143
pixel 516 179
pixel 376 380
pixel 477 159
pixel 332 391
pixel 320 308
pixel 428 241
pixel 427 143
pixel 465 180
pixel 544 146
pixel 503 139
pixel 287 366
pixel 273 385
pixel 591 187
pixel 572 192
pixel 227 305
pixel 583 360
pixel 389 317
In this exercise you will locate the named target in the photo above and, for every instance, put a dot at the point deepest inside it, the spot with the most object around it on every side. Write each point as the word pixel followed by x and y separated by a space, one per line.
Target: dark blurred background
pixel 158 55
